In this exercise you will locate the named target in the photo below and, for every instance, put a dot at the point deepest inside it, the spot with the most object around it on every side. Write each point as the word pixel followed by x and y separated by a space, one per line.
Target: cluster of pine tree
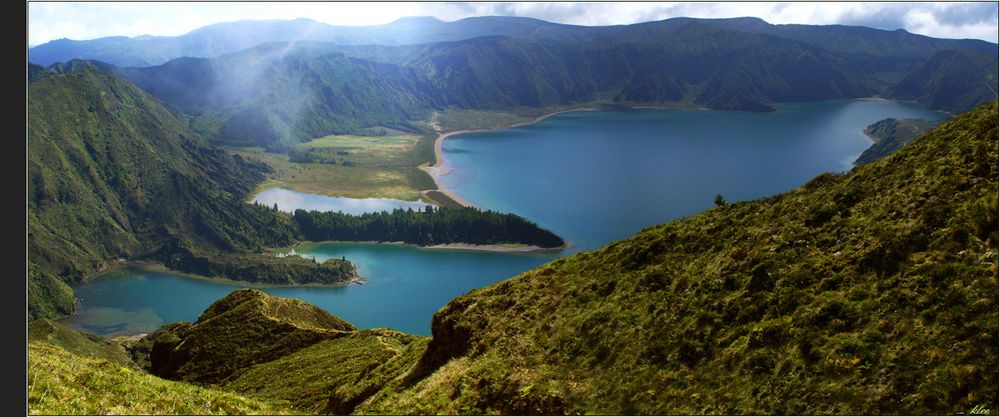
pixel 431 226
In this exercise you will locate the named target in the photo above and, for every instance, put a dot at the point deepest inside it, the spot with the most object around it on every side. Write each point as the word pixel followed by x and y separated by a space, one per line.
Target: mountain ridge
pixel 278 94
pixel 399 32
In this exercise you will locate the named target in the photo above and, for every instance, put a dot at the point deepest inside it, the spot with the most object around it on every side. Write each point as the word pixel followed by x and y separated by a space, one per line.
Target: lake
pixel 289 201
pixel 591 177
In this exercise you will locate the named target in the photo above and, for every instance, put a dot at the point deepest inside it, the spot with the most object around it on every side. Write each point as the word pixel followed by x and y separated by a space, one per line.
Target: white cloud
pixel 49 21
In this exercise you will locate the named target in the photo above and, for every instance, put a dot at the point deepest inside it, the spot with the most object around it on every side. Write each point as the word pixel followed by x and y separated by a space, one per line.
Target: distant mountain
pixel 280 93
pixel 223 38
pixel 113 174
pixel 951 80
pixel 344 79
pixel 890 135
pixel 268 97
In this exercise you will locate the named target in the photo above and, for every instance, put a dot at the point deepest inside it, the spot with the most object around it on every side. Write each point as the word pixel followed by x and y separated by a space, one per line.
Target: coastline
pixel 440 168
pixel 158 267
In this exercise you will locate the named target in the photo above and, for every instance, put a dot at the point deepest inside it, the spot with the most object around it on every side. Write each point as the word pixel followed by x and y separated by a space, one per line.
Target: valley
pixel 658 153
pixel 505 215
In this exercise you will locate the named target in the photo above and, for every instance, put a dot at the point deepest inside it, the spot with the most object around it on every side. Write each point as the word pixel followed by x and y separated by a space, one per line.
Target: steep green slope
pixel 872 292
pixel 890 135
pixel 56 334
pixel 36 72
pixel 244 328
pixel 60 382
pixel 272 98
pixel 113 174
pixel 954 81
pixel 333 376
pixel 280 349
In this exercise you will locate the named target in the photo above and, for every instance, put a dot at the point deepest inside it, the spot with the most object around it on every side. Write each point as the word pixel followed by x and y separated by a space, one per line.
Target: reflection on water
pixel 288 200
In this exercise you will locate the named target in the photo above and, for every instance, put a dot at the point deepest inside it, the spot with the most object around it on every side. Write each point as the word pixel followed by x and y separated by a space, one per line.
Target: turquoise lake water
pixel 591 177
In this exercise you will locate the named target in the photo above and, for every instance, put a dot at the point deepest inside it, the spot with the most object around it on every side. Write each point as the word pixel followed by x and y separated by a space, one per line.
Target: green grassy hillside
pixel 241 329
pixel 53 333
pixel 873 292
pixel 114 174
pixel 282 350
pixel 890 135
pixel 333 376
pixel 60 382
pixel 953 80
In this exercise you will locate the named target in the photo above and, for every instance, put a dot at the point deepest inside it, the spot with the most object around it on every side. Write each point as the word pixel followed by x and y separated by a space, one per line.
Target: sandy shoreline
pixel 440 168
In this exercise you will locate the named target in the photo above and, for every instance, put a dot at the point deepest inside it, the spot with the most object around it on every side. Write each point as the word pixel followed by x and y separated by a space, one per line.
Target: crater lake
pixel 590 177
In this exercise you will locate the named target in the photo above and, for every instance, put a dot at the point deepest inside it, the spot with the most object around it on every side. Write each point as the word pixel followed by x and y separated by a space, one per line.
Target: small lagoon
pixel 289 201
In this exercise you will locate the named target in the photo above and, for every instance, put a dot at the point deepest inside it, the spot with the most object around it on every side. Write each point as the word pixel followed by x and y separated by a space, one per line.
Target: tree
pixel 720 201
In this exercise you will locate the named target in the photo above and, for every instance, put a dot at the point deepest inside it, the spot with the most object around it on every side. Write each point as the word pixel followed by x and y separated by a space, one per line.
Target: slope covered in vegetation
pixel 872 292
pixel 60 383
pixel 953 80
pixel 114 174
pixel 280 349
pixel 76 373
pixel 890 135
pixel 241 329
pixel 54 333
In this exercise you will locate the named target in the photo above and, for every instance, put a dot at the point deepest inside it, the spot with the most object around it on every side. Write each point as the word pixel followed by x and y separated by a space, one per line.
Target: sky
pixel 55 20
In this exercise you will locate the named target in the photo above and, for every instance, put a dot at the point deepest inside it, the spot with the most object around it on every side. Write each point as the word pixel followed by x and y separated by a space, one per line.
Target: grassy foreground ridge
pixel 871 292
